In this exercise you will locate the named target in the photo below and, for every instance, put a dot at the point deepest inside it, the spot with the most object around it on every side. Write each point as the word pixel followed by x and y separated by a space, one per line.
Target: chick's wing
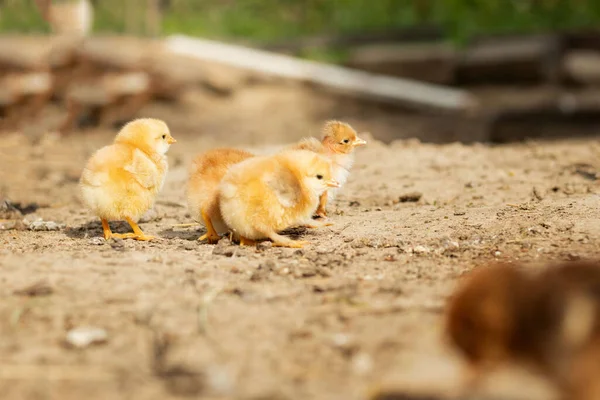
pixel 284 186
pixel 143 170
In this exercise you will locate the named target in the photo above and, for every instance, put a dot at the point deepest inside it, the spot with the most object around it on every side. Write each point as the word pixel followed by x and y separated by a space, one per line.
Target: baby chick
pixel 501 314
pixel 262 196
pixel 338 143
pixel 206 173
pixel 484 314
pixel 120 181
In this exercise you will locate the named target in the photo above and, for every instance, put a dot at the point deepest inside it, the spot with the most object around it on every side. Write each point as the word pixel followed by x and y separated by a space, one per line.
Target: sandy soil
pixel 359 309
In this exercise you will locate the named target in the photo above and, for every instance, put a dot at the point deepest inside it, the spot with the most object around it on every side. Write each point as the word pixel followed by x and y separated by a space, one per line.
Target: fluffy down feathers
pixel 121 180
pixel 338 143
pixel 206 173
pixel 265 195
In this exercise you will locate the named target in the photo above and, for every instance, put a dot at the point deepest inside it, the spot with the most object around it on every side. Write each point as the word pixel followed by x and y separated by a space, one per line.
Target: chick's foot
pixel 138 234
pixel 143 237
pixel 321 213
pixel 211 238
pixel 318 224
pixel 282 241
pixel 211 235
pixel 247 242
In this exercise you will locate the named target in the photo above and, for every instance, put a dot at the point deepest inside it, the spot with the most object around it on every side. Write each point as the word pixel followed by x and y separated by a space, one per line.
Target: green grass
pixel 272 20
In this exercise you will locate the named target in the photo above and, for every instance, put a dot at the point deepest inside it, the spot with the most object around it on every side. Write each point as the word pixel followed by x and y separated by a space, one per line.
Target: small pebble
pixel 410 197
pixel 264 245
pixel 97 241
pixel 188 245
pixel 41 225
pixel 85 336
pixel 421 250
pixel 117 244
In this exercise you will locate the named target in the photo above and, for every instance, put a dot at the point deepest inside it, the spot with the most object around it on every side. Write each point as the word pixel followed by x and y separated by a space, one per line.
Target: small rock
pixel 41 225
pixel 224 248
pixel 117 244
pixel 421 249
pixel 469 185
pixel 459 212
pixel 450 246
pixel 389 257
pixel 85 336
pixel 264 245
pixel 189 245
pixel 354 203
pixel 410 197
pixel 97 241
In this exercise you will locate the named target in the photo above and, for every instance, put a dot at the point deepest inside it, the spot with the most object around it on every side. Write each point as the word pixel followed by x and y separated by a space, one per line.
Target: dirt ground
pixel 358 310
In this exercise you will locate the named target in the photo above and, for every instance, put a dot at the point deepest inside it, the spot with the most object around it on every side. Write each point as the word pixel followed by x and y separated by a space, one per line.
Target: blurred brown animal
pixel 501 314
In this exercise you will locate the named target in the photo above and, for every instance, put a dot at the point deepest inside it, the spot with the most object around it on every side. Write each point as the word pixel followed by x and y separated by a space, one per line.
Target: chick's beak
pixel 359 142
pixel 171 140
pixel 332 183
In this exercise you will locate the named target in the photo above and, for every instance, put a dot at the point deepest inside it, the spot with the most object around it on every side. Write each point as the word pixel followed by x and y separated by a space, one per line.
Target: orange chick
pixel 338 143
pixel 501 314
pixel 263 196
pixel 491 320
pixel 121 181
pixel 483 315
pixel 206 173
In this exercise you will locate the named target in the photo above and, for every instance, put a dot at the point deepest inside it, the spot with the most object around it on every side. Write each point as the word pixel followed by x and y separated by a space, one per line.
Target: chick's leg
pixel 211 234
pixel 106 228
pixel 282 241
pixel 109 234
pixel 321 212
pixel 137 232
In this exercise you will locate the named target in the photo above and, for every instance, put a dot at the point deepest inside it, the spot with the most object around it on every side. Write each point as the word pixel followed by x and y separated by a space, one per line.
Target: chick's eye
pixel 319 176
pixel 164 136
pixel 345 141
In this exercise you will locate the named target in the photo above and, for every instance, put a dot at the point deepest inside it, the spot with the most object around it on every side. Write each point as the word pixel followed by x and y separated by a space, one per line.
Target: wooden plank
pixel 364 84
pixel 582 66
pixel 511 60
pixel 429 62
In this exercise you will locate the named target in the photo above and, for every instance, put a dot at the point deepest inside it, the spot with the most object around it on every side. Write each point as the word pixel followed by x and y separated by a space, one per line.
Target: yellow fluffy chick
pixel 338 143
pixel 206 173
pixel 263 196
pixel 120 181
